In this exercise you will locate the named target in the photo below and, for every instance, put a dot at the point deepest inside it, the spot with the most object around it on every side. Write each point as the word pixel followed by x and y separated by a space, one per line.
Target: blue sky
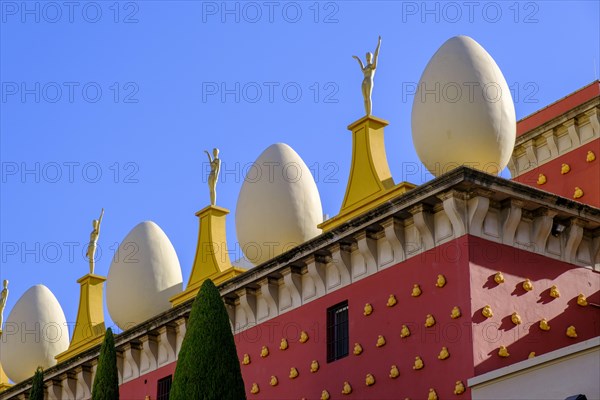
pixel 111 104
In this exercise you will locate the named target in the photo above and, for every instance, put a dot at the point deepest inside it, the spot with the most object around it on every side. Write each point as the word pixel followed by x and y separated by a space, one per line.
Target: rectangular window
pixel 338 339
pixel 164 388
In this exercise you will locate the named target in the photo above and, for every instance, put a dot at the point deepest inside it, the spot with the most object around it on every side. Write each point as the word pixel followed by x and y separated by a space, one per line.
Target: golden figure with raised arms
pixel 369 73
pixel 3 299
pixel 91 250
pixel 215 167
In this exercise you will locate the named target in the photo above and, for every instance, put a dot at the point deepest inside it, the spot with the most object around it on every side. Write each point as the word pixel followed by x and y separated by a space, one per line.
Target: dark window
pixel 337 331
pixel 164 388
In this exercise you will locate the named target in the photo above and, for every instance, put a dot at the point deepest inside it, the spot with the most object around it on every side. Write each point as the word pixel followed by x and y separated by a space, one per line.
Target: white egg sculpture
pixel 34 333
pixel 279 205
pixel 143 276
pixel 463 112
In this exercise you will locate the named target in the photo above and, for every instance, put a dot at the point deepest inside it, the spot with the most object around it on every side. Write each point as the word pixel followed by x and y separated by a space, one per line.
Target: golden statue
pixel 215 167
pixel 369 73
pixel 3 299
pixel 91 251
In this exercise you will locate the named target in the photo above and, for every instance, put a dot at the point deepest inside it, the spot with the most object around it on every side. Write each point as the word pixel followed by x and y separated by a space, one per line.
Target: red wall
pixel 450 259
pixel 487 258
pixel 146 385
pixel 584 174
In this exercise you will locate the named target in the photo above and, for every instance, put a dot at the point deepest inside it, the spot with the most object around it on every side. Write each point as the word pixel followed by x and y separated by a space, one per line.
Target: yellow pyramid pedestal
pixel 370 182
pixel 212 258
pixel 3 379
pixel 89 328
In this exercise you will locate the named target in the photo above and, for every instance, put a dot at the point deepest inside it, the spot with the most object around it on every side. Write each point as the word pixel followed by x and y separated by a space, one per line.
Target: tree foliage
pixel 106 382
pixel 208 367
pixel 37 386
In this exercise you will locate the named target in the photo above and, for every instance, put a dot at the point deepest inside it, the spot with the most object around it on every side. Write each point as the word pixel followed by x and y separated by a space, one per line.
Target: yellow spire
pixel 370 182
pixel 89 328
pixel 212 258
pixel 3 380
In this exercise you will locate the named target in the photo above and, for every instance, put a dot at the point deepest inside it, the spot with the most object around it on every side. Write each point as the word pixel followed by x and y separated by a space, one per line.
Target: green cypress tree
pixel 37 386
pixel 106 382
pixel 208 367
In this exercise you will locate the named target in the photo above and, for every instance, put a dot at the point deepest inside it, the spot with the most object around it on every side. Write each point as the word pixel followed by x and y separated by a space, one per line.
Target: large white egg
pixel 463 112
pixel 279 205
pixel 143 275
pixel 34 333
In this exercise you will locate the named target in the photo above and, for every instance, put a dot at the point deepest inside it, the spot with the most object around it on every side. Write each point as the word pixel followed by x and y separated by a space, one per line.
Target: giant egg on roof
pixel 463 112
pixel 143 275
pixel 34 333
pixel 279 205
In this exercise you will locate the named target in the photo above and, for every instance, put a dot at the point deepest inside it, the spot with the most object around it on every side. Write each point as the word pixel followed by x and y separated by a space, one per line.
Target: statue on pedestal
pixel 215 167
pixel 369 73
pixel 91 251
pixel 3 298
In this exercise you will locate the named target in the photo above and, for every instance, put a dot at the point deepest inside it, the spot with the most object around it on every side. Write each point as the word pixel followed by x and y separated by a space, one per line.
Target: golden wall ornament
pixel 432 394
pixel 404 332
pixel 314 366
pixel 544 325
pixel 246 359
pixel 459 388
pixel 264 352
pixel 293 373
pixel 499 278
pixel 531 355
pixel 441 281
pixel 380 341
pixel 444 354
pixel 565 169
pixel 578 193
pixel 582 300
pixel 455 312
pixel 515 318
pixel 571 332
pixel 503 351
pixel 324 395
pixel 368 309
pixel 391 301
pixel 541 179
pixel 369 380
pixel 429 321
pixel 416 290
pixel 527 285
pixel 273 381
pixel 346 389
pixel 303 337
pixel 357 349
pixel 487 312
pixel 590 156
pixel 284 344
pixel 418 363
pixel 554 292
pixel 255 389
pixel 394 372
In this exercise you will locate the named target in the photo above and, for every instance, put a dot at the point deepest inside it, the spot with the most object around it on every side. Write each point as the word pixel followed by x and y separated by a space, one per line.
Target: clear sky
pixel 111 104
